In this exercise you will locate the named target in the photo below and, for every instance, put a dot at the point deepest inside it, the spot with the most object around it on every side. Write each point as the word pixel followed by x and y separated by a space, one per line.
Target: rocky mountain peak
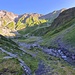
pixel 63 9
pixel 8 16
pixel 32 15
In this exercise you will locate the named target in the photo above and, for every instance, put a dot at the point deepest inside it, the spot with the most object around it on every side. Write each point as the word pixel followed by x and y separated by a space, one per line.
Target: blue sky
pixel 35 6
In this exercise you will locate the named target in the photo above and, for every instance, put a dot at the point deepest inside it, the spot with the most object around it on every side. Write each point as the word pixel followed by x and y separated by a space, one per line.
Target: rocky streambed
pixel 57 52
pixel 60 53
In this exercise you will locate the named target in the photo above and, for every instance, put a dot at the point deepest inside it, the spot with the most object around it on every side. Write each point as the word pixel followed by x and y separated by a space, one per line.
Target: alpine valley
pixel 37 44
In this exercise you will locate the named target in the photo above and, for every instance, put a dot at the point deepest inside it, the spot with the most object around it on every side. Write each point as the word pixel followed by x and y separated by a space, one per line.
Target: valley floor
pixel 46 57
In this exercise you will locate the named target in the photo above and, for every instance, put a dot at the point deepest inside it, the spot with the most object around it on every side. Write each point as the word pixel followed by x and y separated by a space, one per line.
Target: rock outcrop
pixel 7 16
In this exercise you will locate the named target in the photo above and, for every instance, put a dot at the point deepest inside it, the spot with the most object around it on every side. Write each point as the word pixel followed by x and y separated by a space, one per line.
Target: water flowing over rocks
pixel 42 69
pixel 60 52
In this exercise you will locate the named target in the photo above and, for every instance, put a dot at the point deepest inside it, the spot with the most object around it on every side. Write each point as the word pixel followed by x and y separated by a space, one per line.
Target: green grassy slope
pixel 61 37
pixel 36 30
pixel 57 66
pixel 11 66
pixel 8 66
pixel 61 32
pixel 52 64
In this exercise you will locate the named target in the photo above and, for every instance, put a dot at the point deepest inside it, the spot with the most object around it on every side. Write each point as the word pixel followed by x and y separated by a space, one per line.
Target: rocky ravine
pixel 61 52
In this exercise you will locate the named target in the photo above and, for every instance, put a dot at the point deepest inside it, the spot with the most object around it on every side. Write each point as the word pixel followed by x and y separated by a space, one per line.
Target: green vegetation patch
pixel 31 62
pixel 70 36
pixel 11 26
pixel 10 67
pixel 30 39
pixel 2 54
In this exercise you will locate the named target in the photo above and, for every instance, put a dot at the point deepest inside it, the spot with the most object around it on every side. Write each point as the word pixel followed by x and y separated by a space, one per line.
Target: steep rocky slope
pixel 10 22
pixel 43 25
pixel 7 16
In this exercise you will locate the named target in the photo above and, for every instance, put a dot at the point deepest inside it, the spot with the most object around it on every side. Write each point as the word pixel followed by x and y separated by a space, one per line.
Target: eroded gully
pixel 60 52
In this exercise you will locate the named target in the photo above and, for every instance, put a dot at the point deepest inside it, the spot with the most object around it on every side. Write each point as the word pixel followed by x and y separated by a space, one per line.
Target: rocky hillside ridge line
pixel 14 17
pixel 10 22
pixel 53 14
pixel 26 15
pixel 7 15
pixel 63 18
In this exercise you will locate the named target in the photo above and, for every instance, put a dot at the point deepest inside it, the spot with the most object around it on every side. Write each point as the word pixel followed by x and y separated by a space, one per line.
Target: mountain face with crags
pixel 10 22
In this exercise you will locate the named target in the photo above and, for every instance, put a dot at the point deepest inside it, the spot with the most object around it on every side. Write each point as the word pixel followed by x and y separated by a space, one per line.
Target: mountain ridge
pixel 50 15
pixel 14 16
pixel 10 22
